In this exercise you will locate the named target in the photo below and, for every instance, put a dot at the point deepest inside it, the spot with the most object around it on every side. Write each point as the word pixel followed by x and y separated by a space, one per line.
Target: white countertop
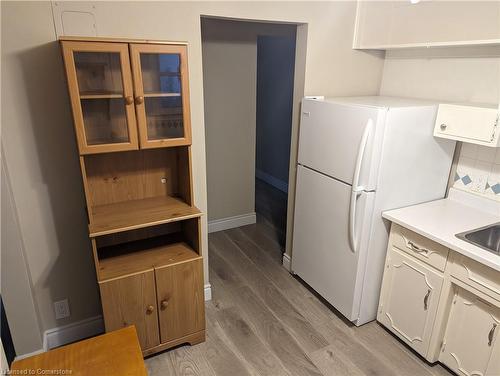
pixel 440 220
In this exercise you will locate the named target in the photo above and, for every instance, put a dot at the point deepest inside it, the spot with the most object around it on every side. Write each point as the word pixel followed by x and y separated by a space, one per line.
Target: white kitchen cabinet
pixel 467 123
pixel 471 336
pixel 446 307
pixel 408 303
pixel 389 25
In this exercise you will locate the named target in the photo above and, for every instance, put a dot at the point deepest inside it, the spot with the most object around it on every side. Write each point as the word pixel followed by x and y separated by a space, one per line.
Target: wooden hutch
pixel 130 102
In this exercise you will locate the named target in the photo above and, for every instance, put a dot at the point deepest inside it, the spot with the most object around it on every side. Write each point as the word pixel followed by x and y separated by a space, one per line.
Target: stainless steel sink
pixel 487 237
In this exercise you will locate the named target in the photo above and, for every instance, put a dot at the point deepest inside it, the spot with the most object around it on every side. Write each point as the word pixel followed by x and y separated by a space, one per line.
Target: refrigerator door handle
pixel 357 189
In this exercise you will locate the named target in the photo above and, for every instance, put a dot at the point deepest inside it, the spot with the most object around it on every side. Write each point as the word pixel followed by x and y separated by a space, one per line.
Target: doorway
pixel 275 78
pixel 250 106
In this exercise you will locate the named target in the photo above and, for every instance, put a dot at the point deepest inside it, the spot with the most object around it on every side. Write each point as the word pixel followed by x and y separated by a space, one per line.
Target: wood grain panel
pixel 112 354
pixel 125 302
pixel 131 215
pixel 181 299
pixel 138 261
pixel 117 177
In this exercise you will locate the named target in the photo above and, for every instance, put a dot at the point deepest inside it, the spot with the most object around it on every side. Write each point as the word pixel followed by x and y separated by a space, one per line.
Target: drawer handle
pixel 426 300
pixel 443 126
pixel 150 309
pixel 491 334
pixel 416 248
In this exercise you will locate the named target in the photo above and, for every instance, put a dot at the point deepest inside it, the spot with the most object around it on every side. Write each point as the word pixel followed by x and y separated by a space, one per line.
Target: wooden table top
pixel 116 353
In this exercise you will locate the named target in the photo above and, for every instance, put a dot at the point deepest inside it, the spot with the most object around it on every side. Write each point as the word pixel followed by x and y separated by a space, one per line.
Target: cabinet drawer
pixel 475 274
pixel 418 246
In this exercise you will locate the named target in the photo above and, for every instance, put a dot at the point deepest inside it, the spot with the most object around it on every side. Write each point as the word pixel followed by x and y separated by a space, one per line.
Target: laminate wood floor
pixel 263 321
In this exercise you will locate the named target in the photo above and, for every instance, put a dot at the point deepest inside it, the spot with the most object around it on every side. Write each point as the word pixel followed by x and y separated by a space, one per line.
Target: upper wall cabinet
pixel 403 24
pixel 127 96
pixel 466 123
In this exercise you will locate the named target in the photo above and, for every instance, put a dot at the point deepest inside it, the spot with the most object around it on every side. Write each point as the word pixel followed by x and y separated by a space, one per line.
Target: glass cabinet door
pixel 162 97
pixel 101 91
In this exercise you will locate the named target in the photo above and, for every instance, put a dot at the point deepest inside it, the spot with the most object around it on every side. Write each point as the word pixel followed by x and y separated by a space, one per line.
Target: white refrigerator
pixel 358 157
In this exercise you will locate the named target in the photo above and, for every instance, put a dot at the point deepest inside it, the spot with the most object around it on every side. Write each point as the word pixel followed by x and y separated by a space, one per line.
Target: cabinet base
pixel 192 339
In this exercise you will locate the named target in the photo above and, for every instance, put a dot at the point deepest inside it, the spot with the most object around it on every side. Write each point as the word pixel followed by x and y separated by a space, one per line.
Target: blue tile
pixel 457 177
pixel 466 180
pixel 496 188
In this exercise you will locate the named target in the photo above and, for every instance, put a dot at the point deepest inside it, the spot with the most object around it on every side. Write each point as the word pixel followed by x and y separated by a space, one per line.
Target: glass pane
pixel 161 73
pixel 105 121
pixel 164 117
pixel 98 73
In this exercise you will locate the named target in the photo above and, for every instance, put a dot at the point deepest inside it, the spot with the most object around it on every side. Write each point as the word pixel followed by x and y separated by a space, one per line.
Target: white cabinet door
pixel 409 300
pixel 494 363
pixel 470 336
pixel 477 125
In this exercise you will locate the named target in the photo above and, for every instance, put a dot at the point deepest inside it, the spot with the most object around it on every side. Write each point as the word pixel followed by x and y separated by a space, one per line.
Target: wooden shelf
pixel 144 260
pixel 101 95
pixel 155 95
pixel 131 215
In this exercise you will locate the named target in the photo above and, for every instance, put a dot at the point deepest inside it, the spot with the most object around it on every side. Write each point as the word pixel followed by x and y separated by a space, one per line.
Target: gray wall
pixel 275 77
pixel 230 92
pixel 16 281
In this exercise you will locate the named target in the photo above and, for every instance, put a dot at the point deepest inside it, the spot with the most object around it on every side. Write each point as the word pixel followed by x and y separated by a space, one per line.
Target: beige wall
pixel 229 83
pixel 463 75
pixel 40 151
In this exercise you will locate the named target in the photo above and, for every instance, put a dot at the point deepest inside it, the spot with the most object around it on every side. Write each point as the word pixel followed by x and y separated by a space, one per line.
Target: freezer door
pixel 321 254
pixel 330 137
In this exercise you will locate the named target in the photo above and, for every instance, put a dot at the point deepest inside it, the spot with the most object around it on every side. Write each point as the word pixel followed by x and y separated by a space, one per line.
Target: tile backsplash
pixel 478 170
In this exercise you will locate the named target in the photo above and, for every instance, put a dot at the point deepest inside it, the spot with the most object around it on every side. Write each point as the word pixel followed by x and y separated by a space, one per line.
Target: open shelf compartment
pixel 137 189
pixel 131 252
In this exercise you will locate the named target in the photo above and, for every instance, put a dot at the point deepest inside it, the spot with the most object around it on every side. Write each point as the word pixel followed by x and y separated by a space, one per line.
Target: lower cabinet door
pixel 470 336
pixel 409 300
pixel 180 299
pixel 132 301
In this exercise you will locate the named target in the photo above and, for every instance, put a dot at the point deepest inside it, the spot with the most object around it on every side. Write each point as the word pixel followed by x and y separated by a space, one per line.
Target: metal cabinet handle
pixel 416 248
pixel 443 126
pixel 491 334
pixel 150 309
pixel 426 299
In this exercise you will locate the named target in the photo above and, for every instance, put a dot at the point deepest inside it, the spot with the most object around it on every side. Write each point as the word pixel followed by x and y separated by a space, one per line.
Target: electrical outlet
pixel 61 309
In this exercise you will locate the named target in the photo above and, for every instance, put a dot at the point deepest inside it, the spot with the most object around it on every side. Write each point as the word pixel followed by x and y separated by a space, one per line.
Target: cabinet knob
pixel 129 100
pixel 443 126
pixel 164 304
pixel 150 309
pixel 139 99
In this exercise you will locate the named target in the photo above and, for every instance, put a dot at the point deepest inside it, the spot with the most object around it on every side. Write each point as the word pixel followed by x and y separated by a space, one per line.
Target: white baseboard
pixel 231 222
pixel 208 292
pixel 76 331
pixel 19 357
pixel 287 262
pixel 269 179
